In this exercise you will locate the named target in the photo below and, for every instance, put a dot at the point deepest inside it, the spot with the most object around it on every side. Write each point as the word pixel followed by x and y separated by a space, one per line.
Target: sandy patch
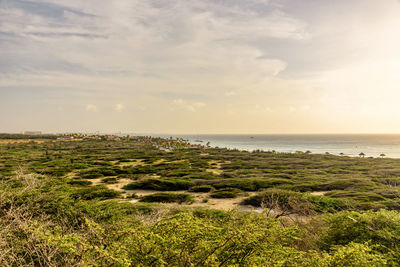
pixel 216 167
pixel 137 162
pixel 118 186
pixel 319 193
pixel 159 161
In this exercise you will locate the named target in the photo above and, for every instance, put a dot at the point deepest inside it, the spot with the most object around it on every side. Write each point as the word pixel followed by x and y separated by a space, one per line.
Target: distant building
pixel 32 132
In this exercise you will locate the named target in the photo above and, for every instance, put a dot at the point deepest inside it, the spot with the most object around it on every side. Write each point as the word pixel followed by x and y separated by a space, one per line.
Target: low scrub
pixel 286 202
pixel 168 198
pixel 381 229
pixel 248 184
pixel 80 182
pixel 99 192
pixel 160 184
pixel 201 188
pixel 226 193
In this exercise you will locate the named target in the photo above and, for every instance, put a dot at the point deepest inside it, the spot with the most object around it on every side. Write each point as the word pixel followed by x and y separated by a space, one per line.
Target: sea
pixel 372 145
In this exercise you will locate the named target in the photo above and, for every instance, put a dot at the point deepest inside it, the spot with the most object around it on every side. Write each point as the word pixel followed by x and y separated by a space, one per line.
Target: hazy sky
pixel 200 66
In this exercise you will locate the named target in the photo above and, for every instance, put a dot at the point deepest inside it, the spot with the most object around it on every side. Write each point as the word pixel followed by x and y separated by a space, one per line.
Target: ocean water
pixel 372 145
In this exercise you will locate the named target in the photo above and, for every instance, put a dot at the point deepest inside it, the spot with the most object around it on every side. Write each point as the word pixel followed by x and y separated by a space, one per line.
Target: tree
pixel 362 155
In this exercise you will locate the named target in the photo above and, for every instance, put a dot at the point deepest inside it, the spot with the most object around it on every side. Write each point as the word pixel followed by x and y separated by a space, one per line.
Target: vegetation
pixel 288 202
pixel 58 206
pixel 160 184
pixel 168 198
pixel 80 182
pixel 201 188
pixel 226 193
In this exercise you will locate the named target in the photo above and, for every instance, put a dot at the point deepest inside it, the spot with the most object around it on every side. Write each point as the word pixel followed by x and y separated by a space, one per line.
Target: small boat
pixel 199 141
pixel 251 137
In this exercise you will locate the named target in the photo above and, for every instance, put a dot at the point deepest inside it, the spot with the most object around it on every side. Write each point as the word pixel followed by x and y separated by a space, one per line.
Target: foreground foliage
pixel 43 223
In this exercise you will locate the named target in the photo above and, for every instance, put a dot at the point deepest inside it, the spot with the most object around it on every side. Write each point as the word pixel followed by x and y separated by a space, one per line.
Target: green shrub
pixel 248 184
pixel 363 196
pixel 99 192
pixel 326 204
pixel 294 201
pixel 80 182
pixel 106 171
pixel 380 228
pixel 160 184
pixel 226 193
pixel 282 197
pixel 168 198
pixel 92 174
pixel 201 188
pixel 353 254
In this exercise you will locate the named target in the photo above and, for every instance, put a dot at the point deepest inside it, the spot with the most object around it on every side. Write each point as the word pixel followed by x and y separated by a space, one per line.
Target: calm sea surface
pixel 351 145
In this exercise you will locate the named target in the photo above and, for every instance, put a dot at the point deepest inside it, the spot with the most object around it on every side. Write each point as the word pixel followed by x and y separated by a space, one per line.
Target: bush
pixel 379 228
pixel 106 171
pixel 80 182
pixel 91 175
pixel 160 184
pixel 294 201
pixel 248 184
pixel 201 188
pixel 353 254
pixel 226 193
pixel 281 202
pixel 99 192
pixel 168 198
pixel 326 204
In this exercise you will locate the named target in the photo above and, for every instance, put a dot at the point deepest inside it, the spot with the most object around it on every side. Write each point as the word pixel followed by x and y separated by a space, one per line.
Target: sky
pixel 200 66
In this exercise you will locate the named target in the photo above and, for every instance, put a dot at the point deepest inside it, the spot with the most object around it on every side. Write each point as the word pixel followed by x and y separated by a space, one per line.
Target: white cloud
pixel 189 106
pixel 119 107
pixel 91 108
pixel 230 93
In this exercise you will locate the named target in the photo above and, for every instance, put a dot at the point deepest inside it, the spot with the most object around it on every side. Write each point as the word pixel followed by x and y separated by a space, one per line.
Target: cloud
pixel 91 108
pixel 150 38
pixel 119 107
pixel 230 93
pixel 189 106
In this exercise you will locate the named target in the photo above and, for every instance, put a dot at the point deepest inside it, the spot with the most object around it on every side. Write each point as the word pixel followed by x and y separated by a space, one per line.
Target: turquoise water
pixel 372 145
